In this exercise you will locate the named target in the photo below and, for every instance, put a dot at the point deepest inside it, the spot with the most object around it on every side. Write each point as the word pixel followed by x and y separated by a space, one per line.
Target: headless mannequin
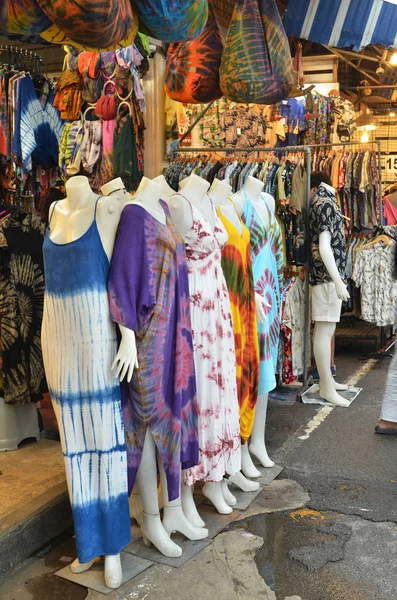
pixel 71 218
pixel 153 531
pixel 254 190
pixel 220 193
pixel 195 189
pixel 116 190
pixel 324 331
pixel 167 190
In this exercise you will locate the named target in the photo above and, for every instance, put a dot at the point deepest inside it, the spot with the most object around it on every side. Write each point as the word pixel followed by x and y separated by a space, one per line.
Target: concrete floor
pixel 325 530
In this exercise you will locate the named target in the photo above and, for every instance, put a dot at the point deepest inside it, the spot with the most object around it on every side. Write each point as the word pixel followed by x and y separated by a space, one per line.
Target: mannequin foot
pixel 174 520
pixel 113 572
pixel 136 508
pixel 340 387
pixel 243 483
pixel 213 491
pixel 260 452
pixel 154 533
pixel 334 398
pixel 189 507
pixel 227 494
pixel 247 466
pixel 78 567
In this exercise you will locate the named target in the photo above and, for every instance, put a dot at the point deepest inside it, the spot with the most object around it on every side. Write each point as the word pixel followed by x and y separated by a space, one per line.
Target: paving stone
pixel 189 550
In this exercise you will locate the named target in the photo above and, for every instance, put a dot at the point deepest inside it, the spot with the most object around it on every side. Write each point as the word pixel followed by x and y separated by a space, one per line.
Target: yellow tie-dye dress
pixel 237 268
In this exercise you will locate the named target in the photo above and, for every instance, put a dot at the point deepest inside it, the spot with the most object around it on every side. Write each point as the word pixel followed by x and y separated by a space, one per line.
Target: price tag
pixel 238 130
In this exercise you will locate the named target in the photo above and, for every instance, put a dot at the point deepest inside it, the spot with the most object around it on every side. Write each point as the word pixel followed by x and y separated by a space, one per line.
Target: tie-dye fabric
pixel 22 17
pixel 171 20
pixel 268 264
pixel 91 23
pixel 256 64
pixel 192 70
pixel 149 294
pixel 55 35
pixel 79 345
pixel 237 269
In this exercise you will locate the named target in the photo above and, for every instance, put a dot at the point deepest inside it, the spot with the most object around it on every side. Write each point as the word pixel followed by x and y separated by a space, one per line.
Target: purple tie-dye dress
pixel 149 294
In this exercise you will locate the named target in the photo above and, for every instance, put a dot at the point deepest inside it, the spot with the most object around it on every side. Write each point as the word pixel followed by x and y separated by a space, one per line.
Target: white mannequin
pixel 195 190
pixel 167 190
pixel 254 189
pixel 116 190
pixel 71 218
pixel 324 331
pixel 148 195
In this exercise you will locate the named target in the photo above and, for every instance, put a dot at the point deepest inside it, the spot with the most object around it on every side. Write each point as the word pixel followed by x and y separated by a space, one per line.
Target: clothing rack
pixel 282 150
pixel 21 58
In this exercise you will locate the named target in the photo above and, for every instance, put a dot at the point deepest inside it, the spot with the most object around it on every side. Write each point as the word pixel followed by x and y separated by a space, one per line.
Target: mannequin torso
pixel 73 216
pixel 167 190
pixel 116 190
pixel 253 188
pixel 219 193
pixel 194 190
pixel 148 195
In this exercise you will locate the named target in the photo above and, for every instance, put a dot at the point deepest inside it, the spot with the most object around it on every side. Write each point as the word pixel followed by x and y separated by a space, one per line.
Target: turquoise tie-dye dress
pixel 267 265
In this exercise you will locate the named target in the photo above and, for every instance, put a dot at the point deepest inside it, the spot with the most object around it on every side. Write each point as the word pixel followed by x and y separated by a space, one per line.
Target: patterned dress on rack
pixel 149 294
pixel 79 345
pixel 214 353
pixel 267 262
pixel 237 268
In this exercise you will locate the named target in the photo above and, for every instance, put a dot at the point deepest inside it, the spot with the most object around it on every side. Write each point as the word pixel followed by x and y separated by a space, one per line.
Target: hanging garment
pixel 192 69
pixel 172 20
pixel 106 166
pixel 91 145
pixel 214 353
pixel 125 159
pixel 149 294
pixel 256 63
pixel 79 345
pixel 267 264
pixel 68 95
pixel 237 269
pixel 21 308
pixel 88 22
pixel 22 17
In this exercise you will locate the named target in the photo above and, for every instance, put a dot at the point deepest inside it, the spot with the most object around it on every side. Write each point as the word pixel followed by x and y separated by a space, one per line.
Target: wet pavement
pixel 326 529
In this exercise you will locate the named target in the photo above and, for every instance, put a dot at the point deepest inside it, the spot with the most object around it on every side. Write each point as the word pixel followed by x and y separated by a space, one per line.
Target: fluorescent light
pixel 393 59
pixel 392 114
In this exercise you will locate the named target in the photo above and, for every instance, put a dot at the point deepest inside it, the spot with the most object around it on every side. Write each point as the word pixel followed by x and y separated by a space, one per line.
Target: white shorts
pixel 326 306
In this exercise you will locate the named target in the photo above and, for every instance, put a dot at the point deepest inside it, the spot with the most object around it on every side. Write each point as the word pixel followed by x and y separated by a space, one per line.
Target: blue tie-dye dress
pixel 79 345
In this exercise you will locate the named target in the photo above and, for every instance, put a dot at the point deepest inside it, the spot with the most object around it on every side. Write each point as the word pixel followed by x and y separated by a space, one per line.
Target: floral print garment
pixel 21 308
pixel 214 353
pixel 149 294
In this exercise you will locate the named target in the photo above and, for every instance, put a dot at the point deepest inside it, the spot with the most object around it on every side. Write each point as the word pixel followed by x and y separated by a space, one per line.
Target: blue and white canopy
pixel 343 23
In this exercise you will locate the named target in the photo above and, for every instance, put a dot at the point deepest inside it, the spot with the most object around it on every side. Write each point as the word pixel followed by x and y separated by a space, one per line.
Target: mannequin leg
pixel 113 572
pixel 258 446
pixel 227 494
pixel 322 337
pixel 151 527
pixel 246 485
pixel 213 491
pixel 247 466
pixel 136 508
pixel 174 518
pixel 189 506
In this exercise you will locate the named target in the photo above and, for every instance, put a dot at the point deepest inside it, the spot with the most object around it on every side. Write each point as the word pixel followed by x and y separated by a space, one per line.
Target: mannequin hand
pixel 126 358
pixel 341 291
pixel 261 305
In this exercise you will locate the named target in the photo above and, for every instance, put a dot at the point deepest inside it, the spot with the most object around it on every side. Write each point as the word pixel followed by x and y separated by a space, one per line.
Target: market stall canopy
pixel 343 23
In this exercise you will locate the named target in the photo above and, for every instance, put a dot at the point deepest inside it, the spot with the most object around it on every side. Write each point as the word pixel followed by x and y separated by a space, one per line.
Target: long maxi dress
pixel 149 294
pixel 79 345
pixel 214 353
pixel 237 268
pixel 267 263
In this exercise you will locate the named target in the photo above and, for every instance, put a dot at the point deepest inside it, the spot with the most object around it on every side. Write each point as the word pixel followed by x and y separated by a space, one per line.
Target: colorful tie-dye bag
pixel 256 63
pixel 192 70
pixel 22 17
pixel 171 20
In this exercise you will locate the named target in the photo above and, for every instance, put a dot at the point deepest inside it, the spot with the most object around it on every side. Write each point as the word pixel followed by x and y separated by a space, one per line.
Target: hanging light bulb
pixel 393 59
pixel 380 70
pixel 365 137
pixel 392 114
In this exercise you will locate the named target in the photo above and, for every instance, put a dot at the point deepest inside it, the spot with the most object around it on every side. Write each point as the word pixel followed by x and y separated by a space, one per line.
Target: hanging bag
pixel 192 69
pixel 171 20
pixel 256 64
pixel 93 24
pixel 22 18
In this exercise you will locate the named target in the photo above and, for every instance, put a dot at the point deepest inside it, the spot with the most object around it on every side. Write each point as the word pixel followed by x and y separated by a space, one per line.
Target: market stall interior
pixel 182 193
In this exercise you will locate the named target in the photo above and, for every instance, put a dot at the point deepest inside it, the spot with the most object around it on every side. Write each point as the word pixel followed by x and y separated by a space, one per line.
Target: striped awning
pixel 343 23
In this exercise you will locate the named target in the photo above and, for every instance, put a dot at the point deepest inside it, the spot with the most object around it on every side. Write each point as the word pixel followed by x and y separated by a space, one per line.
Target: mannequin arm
pixel 329 262
pixel 261 304
pixel 126 359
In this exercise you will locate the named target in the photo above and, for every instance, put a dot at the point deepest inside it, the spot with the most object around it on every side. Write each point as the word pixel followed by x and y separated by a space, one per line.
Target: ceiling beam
pixel 351 64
